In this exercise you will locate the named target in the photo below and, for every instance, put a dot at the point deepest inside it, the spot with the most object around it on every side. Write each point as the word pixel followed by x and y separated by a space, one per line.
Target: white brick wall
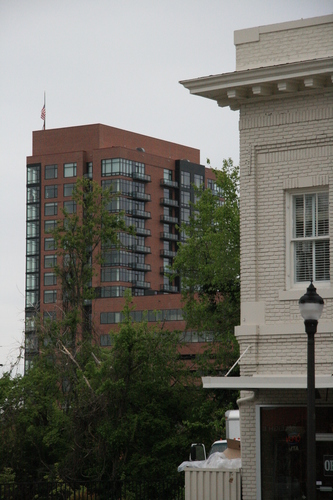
pixel 249 440
pixel 286 143
pixel 281 143
pixel 284 43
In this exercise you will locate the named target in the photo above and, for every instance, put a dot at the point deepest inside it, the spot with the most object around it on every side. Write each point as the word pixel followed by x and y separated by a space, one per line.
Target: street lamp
pixel 311 306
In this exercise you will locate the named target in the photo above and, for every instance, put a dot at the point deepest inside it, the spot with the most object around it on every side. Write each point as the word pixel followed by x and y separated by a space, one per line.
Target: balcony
pixel 138 195
pixel 141 177
pixel 168 288
pixel 141 231
pixel 141 284
pixel 165 270
pixel 141 213
pixel 169 183
pixel 140 249
pixel 139 266
pixel 169 202
pixel 169 219
pixel 167 253
pixel 168 236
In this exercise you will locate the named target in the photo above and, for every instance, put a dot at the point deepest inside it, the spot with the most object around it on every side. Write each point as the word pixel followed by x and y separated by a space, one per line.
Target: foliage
pixel 133 412
pixel 208 264
pixel 79 238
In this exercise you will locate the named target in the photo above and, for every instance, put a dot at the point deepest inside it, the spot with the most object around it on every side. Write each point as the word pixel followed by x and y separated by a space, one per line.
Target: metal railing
pixel 172 489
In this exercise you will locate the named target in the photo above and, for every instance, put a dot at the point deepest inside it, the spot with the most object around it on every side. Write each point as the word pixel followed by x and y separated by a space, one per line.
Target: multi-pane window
pixel 32 229
pixel 33 211
pixel 167 174
pixel 51 191
pixel 185 179
pixel 33 264
pixel 69 169
pixel 51 209
pixel 310 237
pixel 198 180
pixel 33 194
pixel 185 215
pixel 50 296
pixel 49 225
pixel 50 261
pixel 49 316
pixel 70 206
pixel 68 189
pixel 50 279
pixel 33 174
pixel 49 244
pixel 51 172
pixel 185 198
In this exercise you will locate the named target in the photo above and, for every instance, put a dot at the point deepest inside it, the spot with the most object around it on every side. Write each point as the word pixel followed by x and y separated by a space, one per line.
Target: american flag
pixel 43 113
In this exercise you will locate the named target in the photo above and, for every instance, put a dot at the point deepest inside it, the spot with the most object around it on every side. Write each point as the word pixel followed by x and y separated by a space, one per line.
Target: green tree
pixel 208 263
pixel 79 237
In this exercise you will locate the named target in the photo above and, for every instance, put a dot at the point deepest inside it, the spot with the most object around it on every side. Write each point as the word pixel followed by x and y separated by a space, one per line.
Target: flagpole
pixel 45 109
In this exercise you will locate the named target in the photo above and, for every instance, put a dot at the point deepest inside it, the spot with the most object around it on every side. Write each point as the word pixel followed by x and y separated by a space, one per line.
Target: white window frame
pixel 290 239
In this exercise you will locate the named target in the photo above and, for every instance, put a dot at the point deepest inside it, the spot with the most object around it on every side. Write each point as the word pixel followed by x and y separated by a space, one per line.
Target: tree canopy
pixel 208 261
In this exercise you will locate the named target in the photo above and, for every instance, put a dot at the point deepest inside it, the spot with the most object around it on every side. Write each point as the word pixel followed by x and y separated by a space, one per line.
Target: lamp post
pixel 311 306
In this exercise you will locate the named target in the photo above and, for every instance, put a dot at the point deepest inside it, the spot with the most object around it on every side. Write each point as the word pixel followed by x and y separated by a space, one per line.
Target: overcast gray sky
pixel 116 62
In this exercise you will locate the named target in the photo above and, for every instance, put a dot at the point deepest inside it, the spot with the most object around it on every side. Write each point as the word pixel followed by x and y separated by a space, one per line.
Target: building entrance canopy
pixel 266 382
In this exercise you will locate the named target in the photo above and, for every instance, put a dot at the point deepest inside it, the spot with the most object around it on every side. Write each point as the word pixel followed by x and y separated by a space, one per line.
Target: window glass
pixel 49 225
pixel 50 261
pixel 32 247
pixel 51 191
pixel 33 174
pixel 284 454
pixel 49 244
pixel 49 316
pixel 32 264
pixel 32 229
pixel 51 208
pixel 50 279
pixel 68 189
pixel 185 179
pixel 185 198
pixel 167 174
pixel 33 194
pixel 70 206
pixel 69 169
pixel 33 211
pixel 311 245
pixel 198 180
pixel 50 296
pixel 105 340
pixel 51 172
pixel 32 281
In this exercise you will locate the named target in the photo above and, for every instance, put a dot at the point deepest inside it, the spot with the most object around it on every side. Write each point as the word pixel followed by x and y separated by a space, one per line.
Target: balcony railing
pixel 169 219
pixel 141 213
pixel 140 249
pixel 141 284
pixel 141 177
pixel 169 183
pixel 169 202
pixel 169 288
pixel 167 253
pixel 142 231
pixel 138 195
pixel 168 236
pixel 139 266
pixel 165 270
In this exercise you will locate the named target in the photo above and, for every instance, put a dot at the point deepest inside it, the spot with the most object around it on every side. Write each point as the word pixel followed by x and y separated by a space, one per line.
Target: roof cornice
pixel 236 88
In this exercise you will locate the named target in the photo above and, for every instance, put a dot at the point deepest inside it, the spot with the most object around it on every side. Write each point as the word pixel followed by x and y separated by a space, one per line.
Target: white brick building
pixel 283 88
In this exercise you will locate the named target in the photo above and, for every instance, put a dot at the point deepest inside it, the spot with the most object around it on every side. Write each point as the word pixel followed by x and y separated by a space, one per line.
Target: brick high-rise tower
pixel 155 179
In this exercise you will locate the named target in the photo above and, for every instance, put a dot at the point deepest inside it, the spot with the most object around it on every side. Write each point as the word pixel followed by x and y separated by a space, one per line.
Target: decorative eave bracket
pixel 272 82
